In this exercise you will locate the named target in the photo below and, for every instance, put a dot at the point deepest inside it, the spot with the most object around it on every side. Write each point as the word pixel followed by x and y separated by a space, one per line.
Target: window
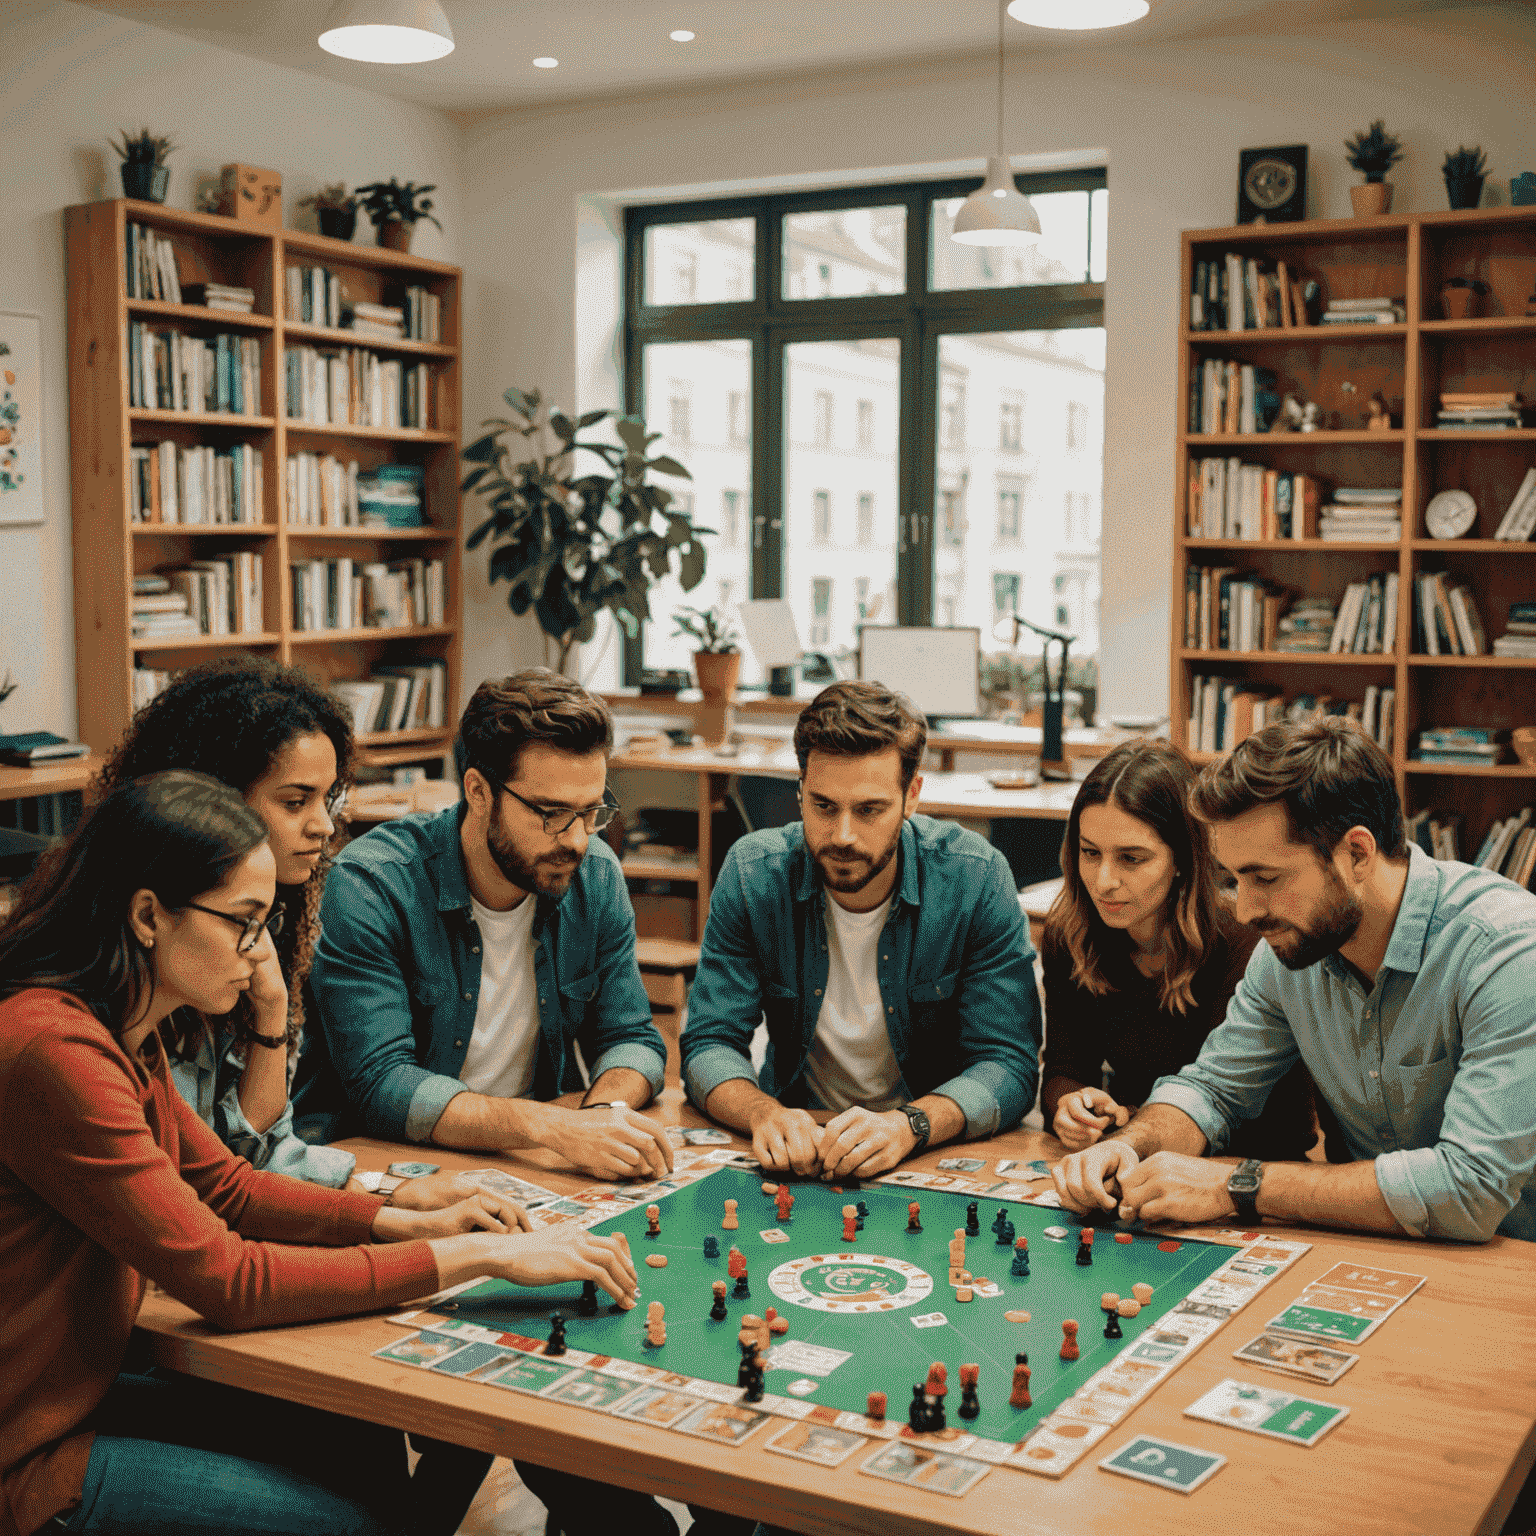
pixel 1010 426
pixel 1010 501
pixel 861 596
pixel 952 413
pixel 1005 594
pixel 680 413
pixel 845 252
pixel 821 522
pixel 946 613
pixel 821 611
pixel 730 517
pixel 865 531
pixel 685 277
pixel 699 263
pixel 1077 426
pixel 952 517
pixel 866 425
pixel 738 429
pixel 821 428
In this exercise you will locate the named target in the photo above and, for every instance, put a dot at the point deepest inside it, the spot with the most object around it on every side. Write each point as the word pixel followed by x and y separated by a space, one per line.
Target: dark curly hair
pixel 229 719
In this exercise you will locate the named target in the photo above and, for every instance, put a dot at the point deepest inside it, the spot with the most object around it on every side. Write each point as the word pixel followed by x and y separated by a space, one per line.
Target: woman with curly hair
pixel 1141 957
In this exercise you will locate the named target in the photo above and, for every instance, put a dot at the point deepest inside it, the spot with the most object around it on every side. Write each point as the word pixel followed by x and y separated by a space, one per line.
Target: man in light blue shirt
pixel 1406 984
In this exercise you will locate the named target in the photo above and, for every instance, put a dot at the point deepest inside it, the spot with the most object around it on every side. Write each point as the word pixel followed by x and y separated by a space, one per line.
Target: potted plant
pixel 1464 172
pixel 1373 153
pixel 145 173
pixel 394 210
pixel 1459 296
pixel 716 656
pixel 336 210
pixel 570 545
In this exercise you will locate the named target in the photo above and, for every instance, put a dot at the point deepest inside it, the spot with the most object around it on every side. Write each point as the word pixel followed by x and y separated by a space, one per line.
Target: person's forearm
pixel 620 1083
pixel 1327 1195
pixel 1161 1128
pixel 479 1122
pixel 1055 1090
pixel 264 1083
pixel 458 1258
pixel 739 1103
pixel 946 1120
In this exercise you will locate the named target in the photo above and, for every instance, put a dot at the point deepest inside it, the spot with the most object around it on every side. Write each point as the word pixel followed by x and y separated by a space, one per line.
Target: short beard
pixel 854 883
pixel 1332 928
pixel 548 876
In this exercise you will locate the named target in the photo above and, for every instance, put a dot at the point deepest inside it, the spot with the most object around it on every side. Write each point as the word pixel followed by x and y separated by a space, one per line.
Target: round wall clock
pixel 1269 183
pixel 1450 514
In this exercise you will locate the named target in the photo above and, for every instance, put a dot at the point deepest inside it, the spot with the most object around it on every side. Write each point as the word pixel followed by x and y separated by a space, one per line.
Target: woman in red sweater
pixel 107 1179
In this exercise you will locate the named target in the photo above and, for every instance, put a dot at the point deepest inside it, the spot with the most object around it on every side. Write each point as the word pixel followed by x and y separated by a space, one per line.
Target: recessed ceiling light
pixel 546 63
pixel 387 31
pixel 682 35
pixel 1080 16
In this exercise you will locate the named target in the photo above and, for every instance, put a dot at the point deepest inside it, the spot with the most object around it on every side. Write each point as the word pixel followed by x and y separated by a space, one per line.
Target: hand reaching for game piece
pixel 608 1143
pixel 787 1139
pixel 434 1192
pixel 1083 1116
pixel 861 1143
pixel 481 1212
pixel 1081 1178
pixel 1172 1186
pixel 545 1257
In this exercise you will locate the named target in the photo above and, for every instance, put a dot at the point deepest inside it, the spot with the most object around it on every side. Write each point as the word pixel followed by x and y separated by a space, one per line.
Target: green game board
pixel 874 1304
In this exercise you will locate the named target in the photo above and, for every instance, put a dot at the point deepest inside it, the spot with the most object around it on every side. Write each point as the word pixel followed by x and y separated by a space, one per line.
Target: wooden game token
pixel 656 1260
pixel 1016 1317
pixel 770 1189
pixel 874 1407
pixel 963 1293
pixel 1058 1234
pixel 1142 1292
pixel 731 1221
pixel 1123 1237
pixel 1169 1246
pixel 1128 1308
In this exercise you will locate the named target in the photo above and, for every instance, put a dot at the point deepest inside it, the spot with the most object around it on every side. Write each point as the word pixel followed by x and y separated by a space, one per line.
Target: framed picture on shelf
pixel 21 418
pixel 1272 185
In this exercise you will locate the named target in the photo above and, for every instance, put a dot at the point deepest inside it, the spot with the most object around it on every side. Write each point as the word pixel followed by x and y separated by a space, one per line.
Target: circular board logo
pixel 850 1282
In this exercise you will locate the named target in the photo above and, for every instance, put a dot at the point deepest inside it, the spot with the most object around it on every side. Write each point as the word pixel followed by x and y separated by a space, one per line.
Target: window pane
pixel 707 263
pixel 1059 256
pixel 1018 527
pixel 844 253
pixel 840 487
pixel 691 386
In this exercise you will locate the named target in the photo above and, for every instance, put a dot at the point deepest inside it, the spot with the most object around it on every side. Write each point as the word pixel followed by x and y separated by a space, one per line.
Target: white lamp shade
pixel 1077 15
pixel 997 213
pixel 387 31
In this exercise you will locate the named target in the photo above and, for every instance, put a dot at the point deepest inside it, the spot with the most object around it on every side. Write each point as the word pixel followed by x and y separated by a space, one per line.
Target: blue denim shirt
pixel 397 976
pixel 1432 1072
pixel 956 972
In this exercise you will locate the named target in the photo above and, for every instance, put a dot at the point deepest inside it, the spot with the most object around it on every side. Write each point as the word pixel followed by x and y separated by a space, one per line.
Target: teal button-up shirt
pixel 1432 1072
pixel 955 966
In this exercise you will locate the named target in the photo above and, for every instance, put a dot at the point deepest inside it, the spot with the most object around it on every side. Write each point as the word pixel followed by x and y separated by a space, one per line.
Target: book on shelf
pixel 31 749
pixel 1245 293
pixel 1498 411
pixel 1342 521
pixel 223 597
pixel 1519 637
pixel 409 696
pixel 1225 711
pixel 385 322
pixel 1519 520
pixel 170 371
pixel 1228 397
pixel 1510 848
pixel 1376 311
pixel 312 296
pixel 351 386
pixel 1230 610
pixel 346 594
pixel 1446 618
pixel 423 312
pixel 151 266
pixel 322 491
pixel 1438 833
pixel 1472 745
pixel 221 296
pixel 390 496
pixel 1365 622
pixel 169 483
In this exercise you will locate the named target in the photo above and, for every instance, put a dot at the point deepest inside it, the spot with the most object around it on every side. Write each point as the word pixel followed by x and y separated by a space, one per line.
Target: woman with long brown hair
pixel 1141 957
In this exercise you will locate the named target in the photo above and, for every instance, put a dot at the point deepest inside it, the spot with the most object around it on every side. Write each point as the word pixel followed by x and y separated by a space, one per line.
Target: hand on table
pixel 481 1212
pixel 553 1254
pixel 433 1192
pixel 1081 1177
pixel 1172 1186
pixel 861 1143
pixel 1083 1116
pixel 609 1143
pixel 787 1140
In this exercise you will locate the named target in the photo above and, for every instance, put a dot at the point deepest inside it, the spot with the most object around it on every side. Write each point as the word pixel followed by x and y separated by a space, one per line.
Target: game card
pixel 1164 1462
pixel 413 1170
pixel 962 1164
pixel 707 1136
pixel 420 1348
pixel 1057 1446
pixel 806 1359
pixel 1296 1357
pixel 529 1373
pixel 1036 1168
pixel 930 1320
pixel 815 1442
pixel 591 1389
pixel 920 1466
pixel 500 1183
pixel 471 1358
pixel 724 1423
pixel 1302 1321
pixel 657 1406
pixel 774 1235
pixel 1390 1283
pixel 1267 1411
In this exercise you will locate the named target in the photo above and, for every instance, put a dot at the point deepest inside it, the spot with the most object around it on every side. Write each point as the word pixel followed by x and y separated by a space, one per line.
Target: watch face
pixel 1269 183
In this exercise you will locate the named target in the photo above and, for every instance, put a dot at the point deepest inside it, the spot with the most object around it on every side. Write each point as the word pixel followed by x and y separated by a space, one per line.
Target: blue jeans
pixel 175 1456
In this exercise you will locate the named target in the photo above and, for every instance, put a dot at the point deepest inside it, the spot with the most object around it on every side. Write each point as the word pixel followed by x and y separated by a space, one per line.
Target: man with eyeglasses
pixel 466 956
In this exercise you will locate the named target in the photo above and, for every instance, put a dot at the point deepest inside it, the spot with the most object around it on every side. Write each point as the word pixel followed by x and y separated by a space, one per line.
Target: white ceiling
pixel 608 47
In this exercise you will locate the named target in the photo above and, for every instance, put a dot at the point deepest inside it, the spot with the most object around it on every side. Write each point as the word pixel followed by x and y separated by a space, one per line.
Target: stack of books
pixel 1362 513
pixel 1519 520
pixel 1519 637
pixel 1469 746
pixel 1366 622
pixel 238 301
pixel 168 371
pixel 1438 833
pixel 1510 849
pixel 355 387
pixel 423 314
pixel 223 596
pixel 408 697
pixel 1491 411
pixel 312 296
pixel 1379 311
pixel 347 594
pixel 1228 397
pixel 169 483
pixel 158 612
pixel 322 491
pixel 30 749
pixel 151 266
pixel 390 496
pixel 1224 712
pixel 147 682
pixel 384 322
pixel 1232 500
pixel 1446 620
pixel 1242 293
pixel 1306 626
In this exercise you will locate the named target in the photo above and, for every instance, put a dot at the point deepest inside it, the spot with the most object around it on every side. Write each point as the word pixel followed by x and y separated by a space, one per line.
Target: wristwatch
pixel 1243 1186
pixel 604 1104
pixel 270 1041
pixel 921 1128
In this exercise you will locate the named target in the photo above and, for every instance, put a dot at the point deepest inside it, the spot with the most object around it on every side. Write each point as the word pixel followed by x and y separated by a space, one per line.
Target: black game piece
pixel 741 1293
pixel 1000 1218
pixel 1005 1235
pixel 718 1310
pixel 754 1383
pixel 587 1306
pixel 748 1355
pixel 970 1401
pixel 972 1221
pixel 863 1211
pixel 1085 1248
pixel 556 1344
pixel 917 1414
pixel 1112 1324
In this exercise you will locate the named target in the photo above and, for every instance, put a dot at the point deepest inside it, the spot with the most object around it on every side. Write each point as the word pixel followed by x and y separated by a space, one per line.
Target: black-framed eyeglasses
pixel 594 818
pixel 250 928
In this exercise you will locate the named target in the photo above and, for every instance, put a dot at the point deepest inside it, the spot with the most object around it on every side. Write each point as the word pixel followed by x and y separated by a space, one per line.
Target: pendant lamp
pixel 387 31
pixel 1078 15
pixel 997 213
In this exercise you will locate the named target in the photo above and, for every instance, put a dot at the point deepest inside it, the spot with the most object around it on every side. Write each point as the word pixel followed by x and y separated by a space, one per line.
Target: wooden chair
pixel 666 968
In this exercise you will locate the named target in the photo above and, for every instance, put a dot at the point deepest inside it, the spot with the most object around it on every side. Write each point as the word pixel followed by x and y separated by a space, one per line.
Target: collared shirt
pixel 956 974
pixel 396 976
pixel 1431 1072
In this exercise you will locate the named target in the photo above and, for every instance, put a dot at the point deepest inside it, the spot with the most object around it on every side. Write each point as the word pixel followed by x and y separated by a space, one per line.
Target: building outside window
pixel 866 426
pixel 1010 426
pixel 680 413
pixel 952 413
pixel 730 518
pixel 1077 426
pixel 1005 594
pixel 738 426
pixel 861 597
pixel 685 278
pixel 865 533
pixel 1010 512
pixel 952 518
pixel 822 426
pixel 821 517
pixel 821 611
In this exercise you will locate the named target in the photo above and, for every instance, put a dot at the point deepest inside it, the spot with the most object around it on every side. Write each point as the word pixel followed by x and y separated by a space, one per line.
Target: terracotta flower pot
pixel 717 672
pixel 1371 198
pixel 395 235
pixel 1458 302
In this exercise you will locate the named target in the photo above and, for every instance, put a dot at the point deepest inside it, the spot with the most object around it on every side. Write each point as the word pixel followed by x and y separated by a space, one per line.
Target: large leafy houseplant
pixel 570 545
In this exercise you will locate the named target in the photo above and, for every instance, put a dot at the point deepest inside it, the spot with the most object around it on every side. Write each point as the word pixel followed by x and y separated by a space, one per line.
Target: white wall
pixel 69 79
pixel 1172 120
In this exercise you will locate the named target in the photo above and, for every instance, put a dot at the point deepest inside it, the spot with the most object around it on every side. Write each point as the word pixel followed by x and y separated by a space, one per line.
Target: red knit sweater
pixel 107 1178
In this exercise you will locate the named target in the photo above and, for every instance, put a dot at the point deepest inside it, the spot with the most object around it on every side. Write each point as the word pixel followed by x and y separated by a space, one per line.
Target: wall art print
pixel 21 418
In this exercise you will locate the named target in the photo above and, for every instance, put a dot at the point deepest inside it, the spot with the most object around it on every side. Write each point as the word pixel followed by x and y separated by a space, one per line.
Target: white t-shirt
pixel 504 1049
pixel 851 1060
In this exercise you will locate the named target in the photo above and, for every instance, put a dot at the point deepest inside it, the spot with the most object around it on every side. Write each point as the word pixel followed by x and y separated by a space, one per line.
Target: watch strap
pixel 272 1042
pixel 922 1128
pixel 1243 1187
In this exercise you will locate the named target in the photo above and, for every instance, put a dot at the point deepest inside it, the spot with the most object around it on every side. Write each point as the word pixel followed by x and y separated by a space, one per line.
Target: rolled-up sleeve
pixel 277 1149
pixel 623 1034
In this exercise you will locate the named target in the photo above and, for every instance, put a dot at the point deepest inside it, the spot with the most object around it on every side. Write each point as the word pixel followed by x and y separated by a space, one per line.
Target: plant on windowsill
pixel 394 210
pixel 145 173
pixel 569 545
pixel 717 653
pixel 1373 153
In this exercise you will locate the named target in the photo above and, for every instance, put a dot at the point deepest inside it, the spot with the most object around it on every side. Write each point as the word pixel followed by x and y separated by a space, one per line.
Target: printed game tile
pixel 1267 1411
pixel 500 1183
pixel 723 1423
pixel 922 1466
pixel 818 1443
pixel 1390 1283
pixel 660 1407
pixel 1148 1459
pixel 473 1357
pixel 592 1389
pixel 1056 1446
pixel 421 1349
pixel 1296 1357
pixel 531 1374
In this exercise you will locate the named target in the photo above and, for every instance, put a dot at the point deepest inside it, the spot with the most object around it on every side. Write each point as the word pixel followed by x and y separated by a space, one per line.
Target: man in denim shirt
pixel 465 955
pixel 886 950
pixel 1405 983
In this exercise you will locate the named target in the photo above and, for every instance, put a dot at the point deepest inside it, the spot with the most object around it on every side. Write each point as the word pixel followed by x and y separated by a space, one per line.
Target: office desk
pixel 50 779
pixel 1441 1432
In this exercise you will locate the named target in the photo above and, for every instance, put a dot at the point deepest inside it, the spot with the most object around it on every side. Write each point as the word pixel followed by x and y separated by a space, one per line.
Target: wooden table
pixel 50 779
pixel 1441 1434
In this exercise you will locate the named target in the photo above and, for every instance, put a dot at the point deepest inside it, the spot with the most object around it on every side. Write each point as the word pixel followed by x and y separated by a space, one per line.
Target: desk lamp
pixel 1053 757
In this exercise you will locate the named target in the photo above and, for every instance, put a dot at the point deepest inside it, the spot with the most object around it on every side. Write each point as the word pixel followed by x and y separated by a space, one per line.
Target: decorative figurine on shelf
pixel 1288 417
pixel 1311 413
pixel 1378 417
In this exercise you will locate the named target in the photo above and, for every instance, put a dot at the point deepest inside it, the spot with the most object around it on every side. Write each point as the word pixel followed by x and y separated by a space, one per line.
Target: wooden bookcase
pixel 1407 256
pixel 110 549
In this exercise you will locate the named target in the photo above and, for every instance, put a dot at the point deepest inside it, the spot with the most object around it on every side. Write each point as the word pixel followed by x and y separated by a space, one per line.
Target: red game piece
pixel 784 1202
pixel 874 1408
pixel 1169 1247
pixel 1019 1397
pixel 736 1263
pixel 1069 1349
pixel 850 1223
pixel 914 1213
pixel 1123 1237
pixel 653 1216
pixel 938 1379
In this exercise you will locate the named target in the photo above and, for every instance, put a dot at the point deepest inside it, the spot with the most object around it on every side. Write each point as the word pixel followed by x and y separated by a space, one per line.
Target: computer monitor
pixel 938 669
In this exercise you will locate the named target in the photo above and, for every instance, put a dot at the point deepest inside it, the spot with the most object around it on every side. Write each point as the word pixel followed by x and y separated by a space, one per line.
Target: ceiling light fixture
pixel 682 35
pixel 387 31
pixel 997 213
pixel 546 63
pixel 1079 16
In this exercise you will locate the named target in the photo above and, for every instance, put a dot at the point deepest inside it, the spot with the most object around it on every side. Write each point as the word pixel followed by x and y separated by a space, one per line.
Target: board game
pixel 866 1315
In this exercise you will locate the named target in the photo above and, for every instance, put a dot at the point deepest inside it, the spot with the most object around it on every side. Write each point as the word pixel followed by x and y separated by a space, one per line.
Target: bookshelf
pixel 1410 363
pixel 110 548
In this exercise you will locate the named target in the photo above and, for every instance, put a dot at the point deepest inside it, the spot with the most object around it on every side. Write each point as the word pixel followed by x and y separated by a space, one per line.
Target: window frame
pixel 915 318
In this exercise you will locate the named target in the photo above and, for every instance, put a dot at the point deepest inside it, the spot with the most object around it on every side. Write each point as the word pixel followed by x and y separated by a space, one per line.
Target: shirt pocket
pixel 576 994
pixel 1418 1095
pixel 931 1024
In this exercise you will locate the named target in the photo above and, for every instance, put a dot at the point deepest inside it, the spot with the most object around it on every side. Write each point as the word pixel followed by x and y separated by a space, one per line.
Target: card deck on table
pixel 1164 1462
pixel 921 1466
pixel 1306 1322
pixel 962 1164
pixel 500 1183
pixel 420 1348
pixel 1296 1357
pixel 815 1442
pixel 413 1170
pixel 724 1423
pixel 1267 1411
pixel 707 1137
pixel 658 1406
